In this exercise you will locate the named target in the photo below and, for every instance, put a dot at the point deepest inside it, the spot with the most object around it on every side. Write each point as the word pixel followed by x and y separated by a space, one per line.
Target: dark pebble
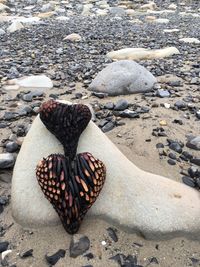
pixel 122 104
pixel 178 121
pixel 188 181
pixel 3 125
pixel 113 234
pixel 159 145
pixel 192 171
pixel 163 93
pixel 195 161
pixel 99 95
pixel 10 115
pixel 87 266
pixel 79 245
pixel 12 147
pixel 171 162
pixel 28 253
pixel 1 208
pixel 102 123
pixel 27 97
pixel 128 114
pixel 109 105
pixel 108 127
pixel 137 245
pixel 176 147
pixel 78 95
pixel 3 246
pixel 172 156
pixel 53 259
pixel 89 256
pixel 187 155
pixel 194 260
pixel 180 104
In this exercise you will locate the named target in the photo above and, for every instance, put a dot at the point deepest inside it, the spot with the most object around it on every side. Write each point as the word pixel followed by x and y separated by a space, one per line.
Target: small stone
pixel 11 147
pixel 28 253
pixel 73 37
pixel 89 256
pixel 109 105
pixel 113 234
pixel 79 244
pixel 27 97
pixel 180 104
pixel 163 93
pixel 163 123
pixel 10 115
pixel 6 160
pixel 172 156
pixel 196 161
pixel 108 126
pixel 194 143
pixel 190 40
pixel 159 145
pixel 166 105
pixel 128 114
pixel 188 181
pixel 153 260
pixel 171 162
pixel 99 95
pixel 176 147
pixel 3 246
pixel 192 171
pixel 53 259
pixel 121 104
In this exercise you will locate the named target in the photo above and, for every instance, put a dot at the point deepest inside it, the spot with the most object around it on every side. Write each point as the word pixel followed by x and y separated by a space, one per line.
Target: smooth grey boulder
pixel 131 198
pixel 123 77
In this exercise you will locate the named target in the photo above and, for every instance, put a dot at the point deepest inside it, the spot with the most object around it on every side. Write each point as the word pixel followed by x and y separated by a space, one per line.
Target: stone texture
pixel 194 143
pixel 123 77
pixel 131 198
pixel 142 53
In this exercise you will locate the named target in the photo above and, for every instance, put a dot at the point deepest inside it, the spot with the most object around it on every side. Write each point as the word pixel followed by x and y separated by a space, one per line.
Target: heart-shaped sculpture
pixel 71 186
pixel 66 122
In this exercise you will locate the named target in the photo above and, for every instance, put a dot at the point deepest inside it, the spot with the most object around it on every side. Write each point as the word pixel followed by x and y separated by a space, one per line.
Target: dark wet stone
pixel 193 171
pixel 54 96
pixel 28 253
pixel 121 104
pixel 188 181
pixel 53 259
pixel 187 155
pixel 99 95
pixel 163 93
pixel 87 266
pixel 3 246
pixel 127 114
pixel 79 245
pixel 108 126
pixel 89 256
pixel 176 147
pixel 196 161
pixel 11 147
pixel 174 83
pixel 109 105
pixel 194 143
pixel 171 162
pixel 113 234
pixel 172 156
pixel 119 258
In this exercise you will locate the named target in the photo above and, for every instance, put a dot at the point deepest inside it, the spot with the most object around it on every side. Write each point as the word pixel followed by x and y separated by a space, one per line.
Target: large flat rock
pixel 139 201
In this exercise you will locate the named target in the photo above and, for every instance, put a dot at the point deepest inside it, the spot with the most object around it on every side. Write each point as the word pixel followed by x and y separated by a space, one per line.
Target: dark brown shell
pixel 71 186
pixel 66 122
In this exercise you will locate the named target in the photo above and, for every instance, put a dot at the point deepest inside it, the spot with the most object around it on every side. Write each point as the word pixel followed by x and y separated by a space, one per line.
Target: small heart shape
pixel 71 186
pixel 66 122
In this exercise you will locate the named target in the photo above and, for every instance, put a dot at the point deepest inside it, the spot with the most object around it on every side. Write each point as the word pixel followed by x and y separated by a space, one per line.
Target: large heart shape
pixel 66 122
pixel 71 186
